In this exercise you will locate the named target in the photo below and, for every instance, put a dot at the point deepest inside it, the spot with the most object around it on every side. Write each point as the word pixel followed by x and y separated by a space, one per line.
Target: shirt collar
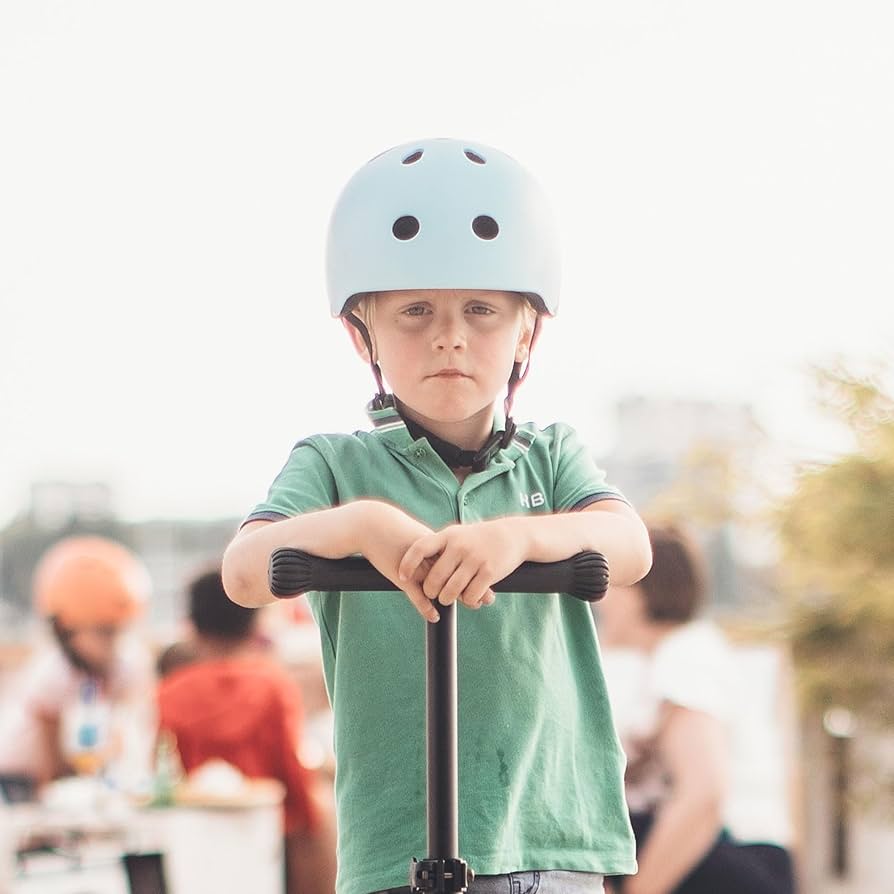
pixel 390 426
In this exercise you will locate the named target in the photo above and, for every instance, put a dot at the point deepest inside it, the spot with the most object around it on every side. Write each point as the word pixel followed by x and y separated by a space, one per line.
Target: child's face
pixel 94 645
pixel 448 353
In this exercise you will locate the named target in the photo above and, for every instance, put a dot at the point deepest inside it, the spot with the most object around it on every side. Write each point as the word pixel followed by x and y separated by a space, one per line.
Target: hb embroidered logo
pixel 532 501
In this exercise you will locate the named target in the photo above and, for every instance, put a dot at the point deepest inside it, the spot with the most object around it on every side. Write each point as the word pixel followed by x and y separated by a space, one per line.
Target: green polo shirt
pixel 540 765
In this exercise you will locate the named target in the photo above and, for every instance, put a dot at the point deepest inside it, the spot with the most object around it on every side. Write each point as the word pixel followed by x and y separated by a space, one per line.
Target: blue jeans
pixel 546 881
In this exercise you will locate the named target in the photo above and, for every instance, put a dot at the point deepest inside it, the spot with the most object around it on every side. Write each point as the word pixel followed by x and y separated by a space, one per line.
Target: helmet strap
pixel 518 375
pixel 456 457
pixel 378 401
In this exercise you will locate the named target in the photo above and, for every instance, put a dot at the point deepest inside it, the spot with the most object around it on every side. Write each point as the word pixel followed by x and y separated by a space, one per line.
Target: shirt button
pixel 420 452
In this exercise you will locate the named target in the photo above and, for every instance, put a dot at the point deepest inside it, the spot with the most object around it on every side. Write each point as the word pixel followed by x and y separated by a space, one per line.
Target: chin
pixel 455 413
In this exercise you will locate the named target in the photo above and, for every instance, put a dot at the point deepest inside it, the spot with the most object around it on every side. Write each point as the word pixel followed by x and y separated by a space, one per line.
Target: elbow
pixel 616 525
pixel 639 556
pixel 706 802
pixel 238 581
pixel 644 558
pixel 701 813
pixel 711 804
pixel 712 814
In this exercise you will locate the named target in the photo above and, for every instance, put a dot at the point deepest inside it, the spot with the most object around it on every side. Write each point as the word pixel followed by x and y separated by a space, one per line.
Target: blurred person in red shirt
pixel 233 702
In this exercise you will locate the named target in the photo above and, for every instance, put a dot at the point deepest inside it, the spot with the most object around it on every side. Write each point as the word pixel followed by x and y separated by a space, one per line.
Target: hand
pixel 464 561
pixel 385 534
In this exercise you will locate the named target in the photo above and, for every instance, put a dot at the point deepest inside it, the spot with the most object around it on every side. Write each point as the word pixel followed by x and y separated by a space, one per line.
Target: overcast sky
pixel 723 174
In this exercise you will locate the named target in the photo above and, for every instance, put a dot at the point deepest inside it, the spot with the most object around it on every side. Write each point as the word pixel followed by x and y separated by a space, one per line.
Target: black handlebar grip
pixel 293 571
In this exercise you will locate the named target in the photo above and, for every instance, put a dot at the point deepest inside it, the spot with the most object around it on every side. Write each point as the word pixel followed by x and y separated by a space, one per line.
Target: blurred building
pixel 695 460
pixel 57 504
pixel 656 436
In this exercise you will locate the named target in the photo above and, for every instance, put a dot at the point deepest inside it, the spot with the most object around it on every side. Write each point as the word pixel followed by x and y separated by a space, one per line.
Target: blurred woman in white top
pixel 676 699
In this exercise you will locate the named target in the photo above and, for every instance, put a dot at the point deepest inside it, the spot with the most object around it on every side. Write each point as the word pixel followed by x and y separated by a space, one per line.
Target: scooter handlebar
pixel 293 571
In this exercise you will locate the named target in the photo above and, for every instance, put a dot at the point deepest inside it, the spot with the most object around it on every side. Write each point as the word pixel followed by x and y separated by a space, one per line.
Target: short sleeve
pixel 579 482
pixel 692 668
pixel 626 673
pixel 306 483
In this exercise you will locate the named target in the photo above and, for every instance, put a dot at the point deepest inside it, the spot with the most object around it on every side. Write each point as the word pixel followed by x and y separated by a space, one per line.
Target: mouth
pixel 449 374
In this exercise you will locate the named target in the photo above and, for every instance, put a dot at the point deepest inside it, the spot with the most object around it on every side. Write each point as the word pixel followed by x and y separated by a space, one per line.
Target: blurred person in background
pixel 232 701
pixel 173 656
pixel 82 704
pixel 673 685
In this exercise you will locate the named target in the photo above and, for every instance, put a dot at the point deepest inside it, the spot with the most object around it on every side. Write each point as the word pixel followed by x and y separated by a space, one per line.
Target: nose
pixel 449 333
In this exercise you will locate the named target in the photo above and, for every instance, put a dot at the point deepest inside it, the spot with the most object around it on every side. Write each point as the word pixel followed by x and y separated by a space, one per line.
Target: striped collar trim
pixel 523 440
pixel 387 419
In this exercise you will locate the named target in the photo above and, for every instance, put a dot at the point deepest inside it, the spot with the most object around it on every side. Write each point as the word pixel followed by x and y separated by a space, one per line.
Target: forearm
pixel 616 532
pixel 692 748
pixel 330 533
pixel 684 831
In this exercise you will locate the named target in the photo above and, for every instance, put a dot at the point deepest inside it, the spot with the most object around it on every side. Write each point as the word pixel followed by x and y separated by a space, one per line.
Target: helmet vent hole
pixel 475 157
pixel 412 158
pixel 485 227
pixel 406 227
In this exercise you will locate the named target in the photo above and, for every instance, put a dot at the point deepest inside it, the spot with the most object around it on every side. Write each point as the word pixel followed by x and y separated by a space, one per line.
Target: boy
pixel 441 260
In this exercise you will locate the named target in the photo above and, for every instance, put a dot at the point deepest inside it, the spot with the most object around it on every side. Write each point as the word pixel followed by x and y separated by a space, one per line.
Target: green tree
pixel 837 536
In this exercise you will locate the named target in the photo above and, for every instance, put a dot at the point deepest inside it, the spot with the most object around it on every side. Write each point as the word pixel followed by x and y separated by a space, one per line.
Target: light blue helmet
pixel 442 214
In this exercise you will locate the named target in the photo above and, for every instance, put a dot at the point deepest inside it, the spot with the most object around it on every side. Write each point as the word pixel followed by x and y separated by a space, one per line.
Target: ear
pixel 357 341
pixel 523 347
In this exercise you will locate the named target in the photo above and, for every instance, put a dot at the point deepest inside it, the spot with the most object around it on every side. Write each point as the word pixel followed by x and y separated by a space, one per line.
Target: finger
pixel 477 588
pixel 456 585
pixel 421 572
pixel 424 548
pixel 439 574
pixel 420 601
pixel 485 600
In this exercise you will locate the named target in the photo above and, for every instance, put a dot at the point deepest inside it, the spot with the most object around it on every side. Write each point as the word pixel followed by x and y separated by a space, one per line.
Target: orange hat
pixel 90 581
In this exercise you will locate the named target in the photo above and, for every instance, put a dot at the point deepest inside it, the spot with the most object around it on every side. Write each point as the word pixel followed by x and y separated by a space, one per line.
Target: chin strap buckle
pixel 495 443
